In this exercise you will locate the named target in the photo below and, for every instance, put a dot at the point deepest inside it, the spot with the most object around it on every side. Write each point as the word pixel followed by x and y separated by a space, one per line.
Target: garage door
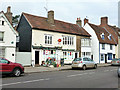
pixel 2 52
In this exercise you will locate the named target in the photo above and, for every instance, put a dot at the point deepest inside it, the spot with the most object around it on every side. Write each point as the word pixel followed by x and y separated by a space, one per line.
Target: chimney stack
pixel 86 21
pixel 51 17
pixel 79 22
pixel 104 20
pixel 9 14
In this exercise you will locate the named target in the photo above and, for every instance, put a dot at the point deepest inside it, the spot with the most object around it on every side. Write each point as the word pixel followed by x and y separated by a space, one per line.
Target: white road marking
pixel 106 70
pixel 25 82
pixel 77 75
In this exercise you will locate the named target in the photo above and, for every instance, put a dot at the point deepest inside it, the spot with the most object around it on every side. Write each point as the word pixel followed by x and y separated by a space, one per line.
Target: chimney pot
pixel 79 22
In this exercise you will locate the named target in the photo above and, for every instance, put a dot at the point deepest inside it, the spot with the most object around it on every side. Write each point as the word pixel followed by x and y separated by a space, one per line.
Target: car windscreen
pixel 77 59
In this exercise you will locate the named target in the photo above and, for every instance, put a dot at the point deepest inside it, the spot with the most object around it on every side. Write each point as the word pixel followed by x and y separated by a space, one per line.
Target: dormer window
pixel 102 36
pixel 109 37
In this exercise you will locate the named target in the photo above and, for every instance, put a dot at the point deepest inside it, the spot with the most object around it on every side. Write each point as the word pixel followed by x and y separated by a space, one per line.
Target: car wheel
pixel 17 72
pixel 95 66
pixel 84 67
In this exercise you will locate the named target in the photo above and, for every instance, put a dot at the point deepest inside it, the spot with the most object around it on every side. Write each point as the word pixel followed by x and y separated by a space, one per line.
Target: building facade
pixel 47 37
pixel 104 43
pixel 8 37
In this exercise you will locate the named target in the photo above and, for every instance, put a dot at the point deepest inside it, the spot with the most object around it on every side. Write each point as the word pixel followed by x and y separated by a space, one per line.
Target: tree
pixel 15 20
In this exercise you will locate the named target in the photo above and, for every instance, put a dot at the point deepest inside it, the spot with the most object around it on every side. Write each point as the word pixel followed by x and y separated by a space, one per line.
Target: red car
pixel 7 67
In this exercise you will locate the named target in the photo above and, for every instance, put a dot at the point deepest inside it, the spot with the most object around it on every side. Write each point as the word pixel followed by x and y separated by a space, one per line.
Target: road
pixel 102 77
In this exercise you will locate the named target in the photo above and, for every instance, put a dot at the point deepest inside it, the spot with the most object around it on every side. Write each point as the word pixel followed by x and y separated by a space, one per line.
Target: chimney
pixel 51 17
pixel 86 21
pixel 79 22
pixel 9 14
pixel 104 20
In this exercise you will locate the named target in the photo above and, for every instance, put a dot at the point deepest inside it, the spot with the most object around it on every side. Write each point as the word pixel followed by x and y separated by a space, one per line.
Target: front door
pixel 105 58
pixel 36 57
pixel 76 55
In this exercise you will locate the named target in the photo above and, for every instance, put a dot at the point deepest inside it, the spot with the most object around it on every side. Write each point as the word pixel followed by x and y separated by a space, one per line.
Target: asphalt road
pixel 102 77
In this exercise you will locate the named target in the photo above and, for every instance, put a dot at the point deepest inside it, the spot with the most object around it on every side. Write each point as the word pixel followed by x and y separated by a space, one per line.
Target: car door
pixel 91 62
pixel 5 66
pixel 85 61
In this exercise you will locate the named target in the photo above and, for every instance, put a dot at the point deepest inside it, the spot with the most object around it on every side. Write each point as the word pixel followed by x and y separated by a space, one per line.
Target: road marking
pixel 25 82
pixel 77 75
pixel 106 70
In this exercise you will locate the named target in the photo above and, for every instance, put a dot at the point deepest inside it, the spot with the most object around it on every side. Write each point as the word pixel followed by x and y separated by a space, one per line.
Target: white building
pixel 103 41
pixel 7 38
pixel 46 37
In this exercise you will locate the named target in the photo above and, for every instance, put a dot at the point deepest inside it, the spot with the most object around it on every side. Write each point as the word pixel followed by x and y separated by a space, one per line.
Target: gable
pixel 4 18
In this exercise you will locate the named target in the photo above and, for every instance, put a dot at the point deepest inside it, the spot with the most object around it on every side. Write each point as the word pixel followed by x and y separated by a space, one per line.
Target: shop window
pixel 1 36
pixel 51 51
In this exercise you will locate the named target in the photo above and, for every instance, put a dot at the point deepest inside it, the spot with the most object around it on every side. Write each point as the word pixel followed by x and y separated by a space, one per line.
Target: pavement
pixel 50 69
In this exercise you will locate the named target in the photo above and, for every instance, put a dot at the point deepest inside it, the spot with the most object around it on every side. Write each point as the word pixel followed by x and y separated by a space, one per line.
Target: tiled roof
pixel 99 30
pixel 38 22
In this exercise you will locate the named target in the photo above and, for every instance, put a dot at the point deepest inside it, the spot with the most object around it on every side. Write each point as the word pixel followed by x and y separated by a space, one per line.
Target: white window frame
pixel 68 40
pixel 49 40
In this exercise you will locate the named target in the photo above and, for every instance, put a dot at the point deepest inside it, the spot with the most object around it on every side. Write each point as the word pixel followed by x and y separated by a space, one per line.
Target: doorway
pixel 76 55
pixel 36 57
pixel 105 58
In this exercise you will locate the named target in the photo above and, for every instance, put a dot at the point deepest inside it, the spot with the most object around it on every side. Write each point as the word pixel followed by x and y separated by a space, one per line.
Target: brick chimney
pixel 79 22
pixel 9 14
pixel 51 17
pixel 86 21
pixel 104 20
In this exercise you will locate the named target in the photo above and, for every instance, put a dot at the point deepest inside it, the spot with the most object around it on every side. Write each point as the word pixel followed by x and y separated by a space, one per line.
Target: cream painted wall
pixel 38 38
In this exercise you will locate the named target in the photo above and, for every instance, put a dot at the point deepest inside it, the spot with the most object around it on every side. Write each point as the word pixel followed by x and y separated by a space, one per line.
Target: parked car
pixel 115 61
pixel 7 67
pixel 84 63
pixel 118 71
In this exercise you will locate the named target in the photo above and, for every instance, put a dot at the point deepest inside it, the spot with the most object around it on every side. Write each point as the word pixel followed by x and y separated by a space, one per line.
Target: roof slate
pixel 99 30
pixel 38 22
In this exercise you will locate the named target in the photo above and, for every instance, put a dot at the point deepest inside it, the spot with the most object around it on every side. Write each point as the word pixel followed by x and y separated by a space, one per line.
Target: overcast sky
pixel 66 10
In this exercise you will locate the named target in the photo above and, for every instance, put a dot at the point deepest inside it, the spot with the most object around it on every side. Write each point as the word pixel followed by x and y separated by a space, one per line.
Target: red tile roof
pixel 99 30
pixel 38 22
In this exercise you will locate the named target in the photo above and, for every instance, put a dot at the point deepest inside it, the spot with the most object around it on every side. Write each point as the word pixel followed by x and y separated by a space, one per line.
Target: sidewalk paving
pixel 50 69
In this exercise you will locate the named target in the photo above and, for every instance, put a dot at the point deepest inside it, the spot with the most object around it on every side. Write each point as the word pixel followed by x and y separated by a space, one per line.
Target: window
pixel 111 47
pixel 2 22
pixel 109 37
pixel 48 39
pixel 102 57
pixel 1 36
pixel 103 46
pixel 109 56
pixel 67 40
pixel 103 36
pixel 85 42
pixel 3 60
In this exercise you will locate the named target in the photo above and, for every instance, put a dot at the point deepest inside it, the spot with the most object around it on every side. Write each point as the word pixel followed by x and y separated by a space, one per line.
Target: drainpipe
pixel 99 52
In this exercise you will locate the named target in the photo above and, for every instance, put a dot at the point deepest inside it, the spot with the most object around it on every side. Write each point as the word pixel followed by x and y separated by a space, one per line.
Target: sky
pixel 66 10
